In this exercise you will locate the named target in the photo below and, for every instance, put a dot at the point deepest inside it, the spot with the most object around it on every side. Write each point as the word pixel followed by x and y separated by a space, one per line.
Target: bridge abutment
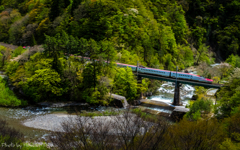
pixel 176 99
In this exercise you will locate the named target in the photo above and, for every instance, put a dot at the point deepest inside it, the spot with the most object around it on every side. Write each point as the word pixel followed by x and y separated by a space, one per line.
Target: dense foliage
pixel 229 96
pixel 7 96
pixel 133 132
pixel 217 21
pixel 153 32
pixel 156 33
pixel 199 107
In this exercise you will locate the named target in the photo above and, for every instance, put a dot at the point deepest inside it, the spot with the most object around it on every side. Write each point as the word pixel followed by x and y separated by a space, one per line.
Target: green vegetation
pixel 207 134
pixel 52 76
pixel 199 107
pixel 229 96
pixel 234 61
pixel 5 55
pixel 18 51
pixel 7 97
pixel 160 34
pixel 11 139
pixel 145 116
pixel 153 32
pixel 34 147
pixel 125 83
pixel 101 113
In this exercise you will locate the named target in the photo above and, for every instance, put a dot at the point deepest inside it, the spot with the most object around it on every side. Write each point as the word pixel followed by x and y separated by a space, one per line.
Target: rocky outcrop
pixel 179 112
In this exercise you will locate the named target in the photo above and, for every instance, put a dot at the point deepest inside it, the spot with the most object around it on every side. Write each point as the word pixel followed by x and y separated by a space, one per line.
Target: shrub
pixel 198 107
pixel 5 55
pixel 7 97
pixel 11 68
pixel 18 51
pixel 192 135
pixel 126 131
pixel 233 60
pixel 145 116
pixel 125 84
pixel 233 125
pixel 99 113
pixel 9 135
pixel 35 147
pixel 44 84
pixel 1 8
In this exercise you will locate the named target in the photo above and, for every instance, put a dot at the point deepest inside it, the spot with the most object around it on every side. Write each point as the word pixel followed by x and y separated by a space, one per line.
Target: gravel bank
pixel 52 122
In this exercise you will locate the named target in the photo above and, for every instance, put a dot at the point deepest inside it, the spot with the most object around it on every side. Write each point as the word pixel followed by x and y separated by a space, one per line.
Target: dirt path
pixel 8 45
pixel 29 51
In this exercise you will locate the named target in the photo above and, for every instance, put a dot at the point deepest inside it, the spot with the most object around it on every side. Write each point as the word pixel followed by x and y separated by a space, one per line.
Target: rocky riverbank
pixel 53 122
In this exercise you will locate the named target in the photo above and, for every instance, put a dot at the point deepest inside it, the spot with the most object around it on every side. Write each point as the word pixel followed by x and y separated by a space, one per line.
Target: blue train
pixel 160 72
pixel 166 73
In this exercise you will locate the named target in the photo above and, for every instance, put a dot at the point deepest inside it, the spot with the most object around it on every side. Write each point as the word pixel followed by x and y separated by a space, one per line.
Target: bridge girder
pixel 183 81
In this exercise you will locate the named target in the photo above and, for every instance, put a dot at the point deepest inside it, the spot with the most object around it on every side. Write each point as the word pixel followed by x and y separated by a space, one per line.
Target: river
pixel 17 116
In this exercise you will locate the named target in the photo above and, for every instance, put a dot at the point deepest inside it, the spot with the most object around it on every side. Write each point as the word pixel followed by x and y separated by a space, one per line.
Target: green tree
pixel 202 134
pixel 202 54
pixel 233 60
pixel 229 95
pixel 125 83
pixel 7 97
pixel 52 49
pixel 198 107
pixel 44 84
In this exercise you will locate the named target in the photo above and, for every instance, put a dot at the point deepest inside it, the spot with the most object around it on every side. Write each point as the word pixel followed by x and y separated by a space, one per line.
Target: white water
pixel 186 92
pixel 167 93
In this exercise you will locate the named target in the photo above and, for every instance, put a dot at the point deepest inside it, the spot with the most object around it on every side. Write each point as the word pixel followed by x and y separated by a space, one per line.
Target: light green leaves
pixel 45 82
pixel 125 84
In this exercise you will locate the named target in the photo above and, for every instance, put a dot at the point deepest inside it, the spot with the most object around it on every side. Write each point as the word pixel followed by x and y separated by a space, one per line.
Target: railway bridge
pixel 178 82
pixel 176 100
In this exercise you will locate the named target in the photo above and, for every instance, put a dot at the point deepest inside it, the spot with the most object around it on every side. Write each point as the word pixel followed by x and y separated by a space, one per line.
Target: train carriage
pixel 154 71
pixel 134 68
pixel 166 73
pixel 190 77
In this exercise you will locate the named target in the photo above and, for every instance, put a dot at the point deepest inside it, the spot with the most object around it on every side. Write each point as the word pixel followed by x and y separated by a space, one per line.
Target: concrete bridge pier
pixel 176 100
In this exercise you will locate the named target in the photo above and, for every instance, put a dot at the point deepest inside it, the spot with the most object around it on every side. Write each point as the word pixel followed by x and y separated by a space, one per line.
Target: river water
pixel 166 94
pixel 16 116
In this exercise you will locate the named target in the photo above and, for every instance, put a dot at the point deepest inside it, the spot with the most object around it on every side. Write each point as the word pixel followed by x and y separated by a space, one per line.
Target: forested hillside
pixel 155 32
pixel 159 34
